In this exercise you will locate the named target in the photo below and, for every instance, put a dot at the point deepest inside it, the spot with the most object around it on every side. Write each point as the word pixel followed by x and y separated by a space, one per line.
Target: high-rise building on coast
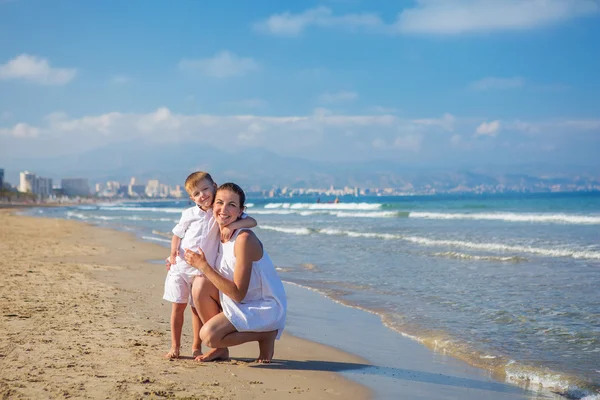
pixel 30 183
pixel 1 178
pixel 75 186
pixel 26 181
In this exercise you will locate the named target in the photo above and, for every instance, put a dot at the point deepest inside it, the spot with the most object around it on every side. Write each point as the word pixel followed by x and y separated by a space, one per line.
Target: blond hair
pixel 194 178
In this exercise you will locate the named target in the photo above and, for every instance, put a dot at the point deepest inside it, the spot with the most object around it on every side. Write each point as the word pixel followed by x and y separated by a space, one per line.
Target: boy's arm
pixel 178 233
pixel 175 242
pixel 245 222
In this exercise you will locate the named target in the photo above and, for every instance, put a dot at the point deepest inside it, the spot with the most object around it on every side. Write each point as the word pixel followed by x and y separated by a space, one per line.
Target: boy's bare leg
pixel 196 342
pixel 177 316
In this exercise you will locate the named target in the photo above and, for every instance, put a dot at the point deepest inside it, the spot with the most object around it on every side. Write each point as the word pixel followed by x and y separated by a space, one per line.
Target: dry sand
pixel 82 316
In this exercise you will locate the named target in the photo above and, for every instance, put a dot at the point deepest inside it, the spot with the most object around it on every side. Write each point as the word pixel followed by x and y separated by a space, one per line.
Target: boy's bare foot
pixel 173 353
pixel 196 353
pixel 266 348
pixel 221 354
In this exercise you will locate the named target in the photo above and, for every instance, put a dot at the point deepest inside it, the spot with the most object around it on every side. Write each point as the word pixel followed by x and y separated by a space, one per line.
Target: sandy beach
pixel 82 316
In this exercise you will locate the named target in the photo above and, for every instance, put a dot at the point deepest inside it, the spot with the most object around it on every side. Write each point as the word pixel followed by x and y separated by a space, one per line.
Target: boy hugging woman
pixel 196 230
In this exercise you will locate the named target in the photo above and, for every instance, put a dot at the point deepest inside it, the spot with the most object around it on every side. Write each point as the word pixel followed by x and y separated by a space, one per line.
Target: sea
pixel 509 283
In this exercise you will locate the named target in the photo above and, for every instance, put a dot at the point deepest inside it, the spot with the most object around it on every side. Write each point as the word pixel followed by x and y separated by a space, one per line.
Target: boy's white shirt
pixel 198 228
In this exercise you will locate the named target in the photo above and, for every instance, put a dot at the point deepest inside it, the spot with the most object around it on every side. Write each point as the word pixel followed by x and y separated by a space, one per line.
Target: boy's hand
pixel 226 234
pixel 168 263
pixel 173 257
pixel 196 259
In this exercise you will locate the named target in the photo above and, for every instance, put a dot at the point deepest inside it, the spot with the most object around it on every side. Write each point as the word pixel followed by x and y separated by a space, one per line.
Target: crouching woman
pixel 250 293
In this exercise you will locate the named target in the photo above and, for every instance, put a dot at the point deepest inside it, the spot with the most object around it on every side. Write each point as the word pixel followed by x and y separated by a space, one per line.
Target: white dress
pixel 264 307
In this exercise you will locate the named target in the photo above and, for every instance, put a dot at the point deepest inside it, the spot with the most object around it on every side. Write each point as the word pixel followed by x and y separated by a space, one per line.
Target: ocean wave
pixel 295 231
pixel 441 342
pixel 156 239
pixel 85 217
pixel 370 214
pixel 463 256
pixel 169 210
pixel 325 206
pixel 513 217
pixel 339 214
pixel 500 247
pixel 423 241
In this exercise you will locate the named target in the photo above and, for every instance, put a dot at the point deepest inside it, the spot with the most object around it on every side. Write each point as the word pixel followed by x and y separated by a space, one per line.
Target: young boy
pixel 196 228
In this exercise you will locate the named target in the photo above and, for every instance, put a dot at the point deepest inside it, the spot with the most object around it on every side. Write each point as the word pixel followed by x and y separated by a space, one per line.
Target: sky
pixel 420 82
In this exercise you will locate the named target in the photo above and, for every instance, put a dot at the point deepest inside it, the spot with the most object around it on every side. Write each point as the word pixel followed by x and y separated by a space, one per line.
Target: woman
pixel 244 285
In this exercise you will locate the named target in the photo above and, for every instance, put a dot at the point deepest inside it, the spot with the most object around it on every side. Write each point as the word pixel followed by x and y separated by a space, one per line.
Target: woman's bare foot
pixel 173 353
pixel 221 354
pixel 196 353
pixel 266 348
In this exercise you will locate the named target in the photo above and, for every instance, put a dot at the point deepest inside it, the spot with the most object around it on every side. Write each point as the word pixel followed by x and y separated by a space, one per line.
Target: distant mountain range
pixel 258 168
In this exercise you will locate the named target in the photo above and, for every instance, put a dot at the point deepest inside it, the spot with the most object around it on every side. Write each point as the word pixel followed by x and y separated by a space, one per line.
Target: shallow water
pixel 508 283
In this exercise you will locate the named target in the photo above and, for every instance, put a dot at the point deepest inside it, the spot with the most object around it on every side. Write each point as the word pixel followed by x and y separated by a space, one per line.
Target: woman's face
pixel 226 207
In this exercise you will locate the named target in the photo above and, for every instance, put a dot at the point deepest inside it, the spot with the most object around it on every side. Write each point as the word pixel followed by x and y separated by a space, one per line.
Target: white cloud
pixel 464 16
pixel 488 128
pixel 338 97
pixel 379 144
pixel 120 80
pixel 447 121
pixel 37 70
pixel 322 134
pixel 408 142
pixel 382 110
pixel 20 130
pixel 223 65
pixel 288 24
pixel 491 83
pixel 567 126
pixel 583 124
pixel 444 17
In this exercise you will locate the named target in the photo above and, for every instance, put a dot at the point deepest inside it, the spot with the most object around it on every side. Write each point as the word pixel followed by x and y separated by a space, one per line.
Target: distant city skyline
pixel 424 82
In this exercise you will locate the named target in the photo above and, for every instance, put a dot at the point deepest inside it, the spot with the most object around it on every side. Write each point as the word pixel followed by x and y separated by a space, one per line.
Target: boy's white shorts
pixel 178 286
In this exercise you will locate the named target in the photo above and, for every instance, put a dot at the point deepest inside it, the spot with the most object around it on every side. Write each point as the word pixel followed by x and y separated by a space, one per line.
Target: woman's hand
pixel 196 259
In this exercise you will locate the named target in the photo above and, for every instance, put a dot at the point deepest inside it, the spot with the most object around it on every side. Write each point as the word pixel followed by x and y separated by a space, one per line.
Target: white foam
pixel 371 214
pixel 495 247
pixel 514 217
pixel 156 239
pixel 144 209
pixel 325 206
pixel 463 256
pixel 296 231
pixel 504 248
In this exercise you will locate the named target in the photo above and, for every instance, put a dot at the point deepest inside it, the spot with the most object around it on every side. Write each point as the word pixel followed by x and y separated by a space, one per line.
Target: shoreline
pixel 98 325
pixel 451 369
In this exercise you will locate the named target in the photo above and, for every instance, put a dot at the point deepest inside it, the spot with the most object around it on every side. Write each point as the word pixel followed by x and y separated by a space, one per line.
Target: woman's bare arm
pixel 247 250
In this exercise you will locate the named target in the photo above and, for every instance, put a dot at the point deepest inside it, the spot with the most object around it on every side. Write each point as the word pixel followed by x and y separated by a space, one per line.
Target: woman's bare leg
pixel 219 333
pixel 206 302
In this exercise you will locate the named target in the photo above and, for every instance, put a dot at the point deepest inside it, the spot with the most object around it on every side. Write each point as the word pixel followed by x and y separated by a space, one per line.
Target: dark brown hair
pixel 232 187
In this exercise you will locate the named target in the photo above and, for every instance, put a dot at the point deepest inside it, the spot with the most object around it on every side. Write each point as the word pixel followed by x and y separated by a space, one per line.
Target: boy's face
pixel 203 194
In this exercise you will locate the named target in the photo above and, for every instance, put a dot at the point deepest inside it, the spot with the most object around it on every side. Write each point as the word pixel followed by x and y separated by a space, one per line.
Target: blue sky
pixel 418 81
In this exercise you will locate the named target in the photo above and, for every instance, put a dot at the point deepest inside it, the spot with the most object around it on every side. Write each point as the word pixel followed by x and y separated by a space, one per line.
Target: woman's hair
pixel 235 189
pixel 192 180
